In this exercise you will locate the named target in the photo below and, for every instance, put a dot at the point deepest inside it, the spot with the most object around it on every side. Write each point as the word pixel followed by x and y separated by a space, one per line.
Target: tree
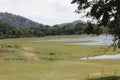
pixel 40 34
pixel 89 29
pixel 105 12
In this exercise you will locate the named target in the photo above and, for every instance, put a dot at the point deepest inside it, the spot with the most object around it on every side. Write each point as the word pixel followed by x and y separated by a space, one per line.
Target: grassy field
pixel 21 59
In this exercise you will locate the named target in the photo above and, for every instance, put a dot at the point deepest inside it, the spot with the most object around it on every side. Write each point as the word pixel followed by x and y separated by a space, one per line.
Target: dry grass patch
pixel 6 51
pixel 28 48
pixel 31 56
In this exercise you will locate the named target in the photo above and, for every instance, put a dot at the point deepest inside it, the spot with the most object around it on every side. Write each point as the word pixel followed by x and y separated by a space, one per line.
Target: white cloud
pixel 44 11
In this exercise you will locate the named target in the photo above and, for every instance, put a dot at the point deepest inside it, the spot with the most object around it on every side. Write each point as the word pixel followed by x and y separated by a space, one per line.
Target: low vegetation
pixel 53 60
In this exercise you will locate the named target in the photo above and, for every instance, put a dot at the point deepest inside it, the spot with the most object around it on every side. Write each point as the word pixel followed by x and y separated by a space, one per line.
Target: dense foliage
pixel 7 31
pixel 106 12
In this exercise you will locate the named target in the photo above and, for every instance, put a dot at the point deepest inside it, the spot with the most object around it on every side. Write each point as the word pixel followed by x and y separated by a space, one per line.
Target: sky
pixel 49 12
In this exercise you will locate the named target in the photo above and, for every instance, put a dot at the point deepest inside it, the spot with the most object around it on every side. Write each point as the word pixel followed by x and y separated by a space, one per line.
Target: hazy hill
pixel 72 23
pixel 75 27
pixel 15 26
pixel 21 22
pixel 17 21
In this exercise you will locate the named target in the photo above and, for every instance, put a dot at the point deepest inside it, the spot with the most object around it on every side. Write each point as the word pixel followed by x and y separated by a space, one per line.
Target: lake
pixel 116 56
pixel 97 40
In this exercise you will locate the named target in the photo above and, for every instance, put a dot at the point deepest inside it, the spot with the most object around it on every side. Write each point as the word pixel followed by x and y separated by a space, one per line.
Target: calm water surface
pixel 98 40
pixel 116 56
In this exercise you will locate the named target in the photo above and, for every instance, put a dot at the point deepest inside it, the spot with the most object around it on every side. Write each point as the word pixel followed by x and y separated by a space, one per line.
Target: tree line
pixel 7 31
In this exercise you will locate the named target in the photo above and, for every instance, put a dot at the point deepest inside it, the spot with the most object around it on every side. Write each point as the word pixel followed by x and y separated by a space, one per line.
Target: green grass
pixel 57 60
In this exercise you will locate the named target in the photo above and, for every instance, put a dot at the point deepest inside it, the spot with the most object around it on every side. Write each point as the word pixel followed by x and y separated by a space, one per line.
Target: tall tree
pixel 106 12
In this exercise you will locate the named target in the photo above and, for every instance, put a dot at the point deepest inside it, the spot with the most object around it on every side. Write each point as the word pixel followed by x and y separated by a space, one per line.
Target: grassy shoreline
pixel 53 61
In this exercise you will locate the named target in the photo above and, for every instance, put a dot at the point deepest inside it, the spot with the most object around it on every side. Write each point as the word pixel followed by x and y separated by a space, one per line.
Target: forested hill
pixel 13 26
pixel 72 23
pixel 17 21
pixel 75 27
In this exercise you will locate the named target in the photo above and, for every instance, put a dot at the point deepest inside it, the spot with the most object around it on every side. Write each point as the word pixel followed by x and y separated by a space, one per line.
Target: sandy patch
pixel 28 48
pixel 31 56
pixel 95 74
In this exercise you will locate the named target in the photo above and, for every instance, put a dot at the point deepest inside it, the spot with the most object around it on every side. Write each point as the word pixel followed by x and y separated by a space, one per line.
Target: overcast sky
pixel 43 11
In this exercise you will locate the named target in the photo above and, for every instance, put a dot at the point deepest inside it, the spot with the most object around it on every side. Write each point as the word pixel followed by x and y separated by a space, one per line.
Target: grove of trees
pixel 7 31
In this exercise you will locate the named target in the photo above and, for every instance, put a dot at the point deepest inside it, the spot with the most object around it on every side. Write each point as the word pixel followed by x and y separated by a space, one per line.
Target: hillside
pixel 17 21
pixel 21 22
pixel 14 26
pixel 72 23
pixel 75 27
